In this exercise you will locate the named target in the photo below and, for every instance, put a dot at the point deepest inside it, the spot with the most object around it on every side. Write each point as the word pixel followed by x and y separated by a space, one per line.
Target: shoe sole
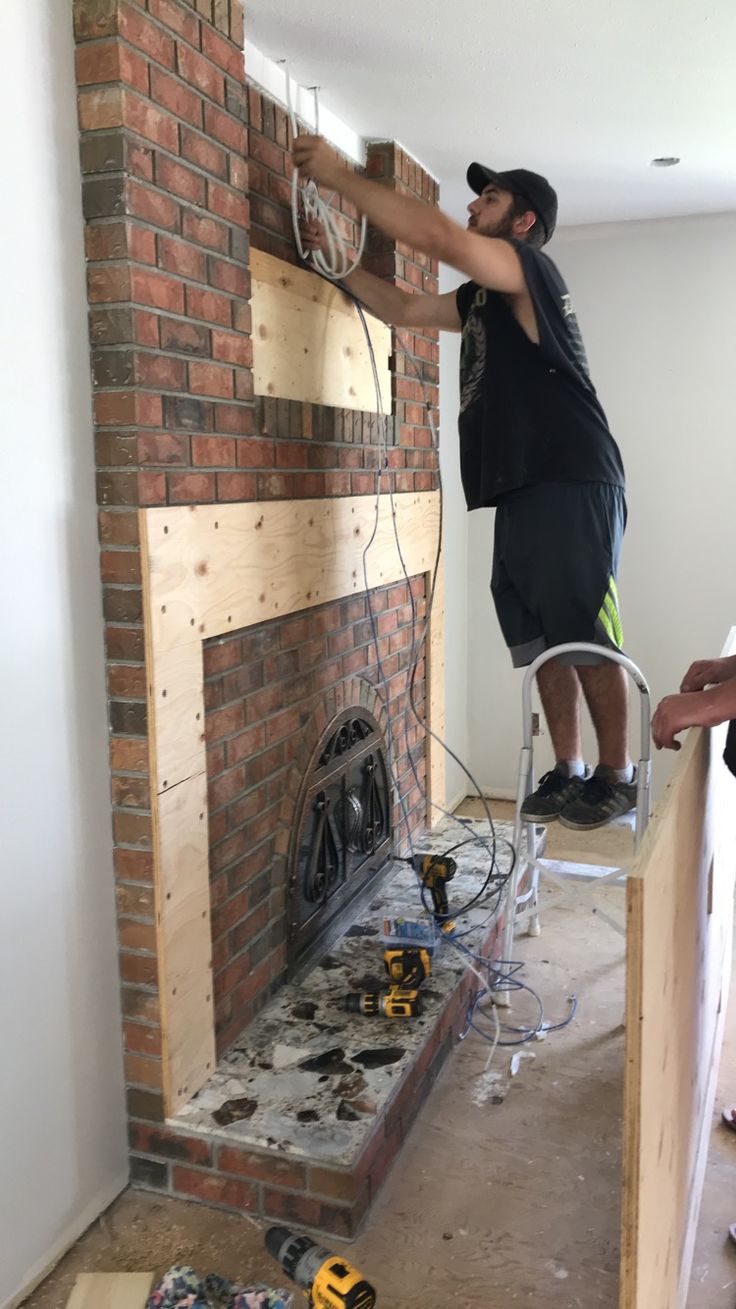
pixel 539 818
pixel 591 827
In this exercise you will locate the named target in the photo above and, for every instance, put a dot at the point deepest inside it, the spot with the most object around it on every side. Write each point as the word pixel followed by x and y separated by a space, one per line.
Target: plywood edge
pixel 670 795
pixel 153 767
pixel 110 1291
pixel 631 1156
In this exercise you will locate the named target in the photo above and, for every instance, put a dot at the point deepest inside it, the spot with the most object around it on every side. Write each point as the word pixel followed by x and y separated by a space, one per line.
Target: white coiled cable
pixel 334 263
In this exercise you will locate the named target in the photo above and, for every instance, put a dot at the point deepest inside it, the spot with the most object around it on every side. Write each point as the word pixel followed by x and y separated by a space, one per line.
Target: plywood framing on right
pixel 679 930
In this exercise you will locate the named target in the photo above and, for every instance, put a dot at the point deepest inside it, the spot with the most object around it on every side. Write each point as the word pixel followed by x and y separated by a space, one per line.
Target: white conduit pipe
pixel 335 263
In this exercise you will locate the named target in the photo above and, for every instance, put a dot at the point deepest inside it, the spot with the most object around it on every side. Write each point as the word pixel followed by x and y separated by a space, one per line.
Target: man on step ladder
pixel 534 443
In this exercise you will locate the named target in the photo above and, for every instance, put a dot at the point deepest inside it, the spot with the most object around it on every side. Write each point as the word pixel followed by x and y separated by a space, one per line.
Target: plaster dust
pixel 507 1189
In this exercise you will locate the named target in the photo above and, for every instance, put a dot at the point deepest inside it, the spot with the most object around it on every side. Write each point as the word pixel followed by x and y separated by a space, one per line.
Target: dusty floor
pixel 491 1203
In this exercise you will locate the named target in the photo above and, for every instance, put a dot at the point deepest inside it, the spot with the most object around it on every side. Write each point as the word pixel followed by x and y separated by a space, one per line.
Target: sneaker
pixel 555 791
pixel 601 798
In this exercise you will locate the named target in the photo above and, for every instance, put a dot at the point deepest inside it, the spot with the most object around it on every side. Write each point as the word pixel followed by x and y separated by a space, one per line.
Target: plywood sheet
pixel 217 568
pixel 308 342
pixel 679 926
pixel 214 569
pixel 110 1291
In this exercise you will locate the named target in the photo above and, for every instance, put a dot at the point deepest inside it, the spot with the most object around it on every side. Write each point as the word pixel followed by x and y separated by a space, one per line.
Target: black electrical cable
pixel 494 874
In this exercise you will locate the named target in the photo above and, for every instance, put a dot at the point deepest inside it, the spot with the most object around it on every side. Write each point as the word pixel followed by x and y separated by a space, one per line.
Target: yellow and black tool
pixel 397 1002
pixel 407 966
pixel 329 1280
pixel 435 872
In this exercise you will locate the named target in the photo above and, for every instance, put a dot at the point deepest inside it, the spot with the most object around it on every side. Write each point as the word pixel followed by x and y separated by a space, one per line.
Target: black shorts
pixel 555 560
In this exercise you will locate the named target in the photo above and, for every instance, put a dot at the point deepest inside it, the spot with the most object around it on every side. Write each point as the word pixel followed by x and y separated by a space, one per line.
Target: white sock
pixel 624 774
pixel 575 767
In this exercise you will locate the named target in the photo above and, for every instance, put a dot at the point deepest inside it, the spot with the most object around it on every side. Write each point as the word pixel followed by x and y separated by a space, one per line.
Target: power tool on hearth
pixel 329 1281
pixel 435 871
pixel 407 968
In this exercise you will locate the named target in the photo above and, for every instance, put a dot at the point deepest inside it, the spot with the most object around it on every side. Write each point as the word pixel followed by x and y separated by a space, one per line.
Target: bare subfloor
pixel 507 1189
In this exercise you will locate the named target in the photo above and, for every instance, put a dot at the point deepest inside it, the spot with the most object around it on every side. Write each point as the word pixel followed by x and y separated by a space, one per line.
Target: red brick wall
pixel 165 152
pixel 270 693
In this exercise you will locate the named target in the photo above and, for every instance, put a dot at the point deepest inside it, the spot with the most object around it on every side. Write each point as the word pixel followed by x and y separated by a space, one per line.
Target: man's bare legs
pixel 606 695
pixel 565 793
pixel 606 692
pixel 559 691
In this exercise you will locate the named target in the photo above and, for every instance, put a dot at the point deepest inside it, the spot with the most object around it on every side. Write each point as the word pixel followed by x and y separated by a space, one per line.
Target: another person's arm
pixel 707 697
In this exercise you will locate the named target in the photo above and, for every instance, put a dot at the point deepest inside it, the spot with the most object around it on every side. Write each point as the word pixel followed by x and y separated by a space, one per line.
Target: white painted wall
pixel 655 303
pixel 62 1135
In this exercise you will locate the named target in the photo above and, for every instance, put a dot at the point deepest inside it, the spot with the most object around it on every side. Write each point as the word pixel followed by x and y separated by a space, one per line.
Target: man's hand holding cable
pixel 316 159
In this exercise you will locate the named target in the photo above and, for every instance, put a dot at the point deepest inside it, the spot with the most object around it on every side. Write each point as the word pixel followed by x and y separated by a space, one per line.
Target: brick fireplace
pixel 271 695
pixel 184 165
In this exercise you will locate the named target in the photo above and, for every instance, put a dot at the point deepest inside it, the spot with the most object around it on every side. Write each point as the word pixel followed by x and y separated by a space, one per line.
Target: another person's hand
pixel 708 672
pixel 316 159
pixel 673 715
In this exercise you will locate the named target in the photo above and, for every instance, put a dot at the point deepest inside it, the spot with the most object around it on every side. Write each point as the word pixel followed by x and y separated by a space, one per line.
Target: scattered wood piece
pixel 110 1291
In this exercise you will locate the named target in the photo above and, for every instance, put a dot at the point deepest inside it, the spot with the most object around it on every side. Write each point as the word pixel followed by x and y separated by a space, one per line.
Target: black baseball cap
pixel 532 187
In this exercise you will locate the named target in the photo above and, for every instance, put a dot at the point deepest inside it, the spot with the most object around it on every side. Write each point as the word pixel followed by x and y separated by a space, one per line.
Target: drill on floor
pixel 407 968
pixel 329 1281
pixel 435 871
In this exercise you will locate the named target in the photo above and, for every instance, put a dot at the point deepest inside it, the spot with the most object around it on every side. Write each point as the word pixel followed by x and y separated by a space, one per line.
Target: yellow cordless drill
pixel 329 1281
pixel 407 969
pixel 435 872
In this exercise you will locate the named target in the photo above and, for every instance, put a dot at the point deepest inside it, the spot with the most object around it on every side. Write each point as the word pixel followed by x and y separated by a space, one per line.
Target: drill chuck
pixel 329 1281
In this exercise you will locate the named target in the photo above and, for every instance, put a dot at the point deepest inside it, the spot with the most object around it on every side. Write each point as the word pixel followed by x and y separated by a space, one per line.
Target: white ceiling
pixel 585 91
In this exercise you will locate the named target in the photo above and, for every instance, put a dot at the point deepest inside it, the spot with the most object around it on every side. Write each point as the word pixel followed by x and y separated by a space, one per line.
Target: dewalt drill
pixel 407 969
pixel 435 872
pixel 394 1003
pixel 329 1281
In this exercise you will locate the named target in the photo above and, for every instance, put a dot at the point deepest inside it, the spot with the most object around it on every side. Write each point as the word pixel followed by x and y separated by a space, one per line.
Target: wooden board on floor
pixel 110 1291
pixel 679 929
pixel 309 343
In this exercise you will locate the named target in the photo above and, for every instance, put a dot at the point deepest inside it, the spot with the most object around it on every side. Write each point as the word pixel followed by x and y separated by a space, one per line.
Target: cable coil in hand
pixel 335 263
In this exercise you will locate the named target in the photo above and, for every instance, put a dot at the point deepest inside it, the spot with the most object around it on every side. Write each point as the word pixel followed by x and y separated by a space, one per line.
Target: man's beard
pixel 504 227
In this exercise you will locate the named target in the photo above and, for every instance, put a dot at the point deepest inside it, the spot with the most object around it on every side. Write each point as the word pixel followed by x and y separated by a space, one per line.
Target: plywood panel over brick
pixel 308 342
pixel 680 912
pixel 209 570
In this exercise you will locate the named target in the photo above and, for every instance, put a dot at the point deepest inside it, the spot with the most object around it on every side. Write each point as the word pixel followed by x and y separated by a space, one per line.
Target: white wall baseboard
pixel 36 1275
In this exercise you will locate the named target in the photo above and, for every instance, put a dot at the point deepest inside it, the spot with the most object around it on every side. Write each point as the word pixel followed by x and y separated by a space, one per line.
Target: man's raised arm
pixel 487 260
pixel 390 303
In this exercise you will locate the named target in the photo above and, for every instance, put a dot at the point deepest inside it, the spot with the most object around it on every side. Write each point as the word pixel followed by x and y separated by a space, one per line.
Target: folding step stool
pixel 519 907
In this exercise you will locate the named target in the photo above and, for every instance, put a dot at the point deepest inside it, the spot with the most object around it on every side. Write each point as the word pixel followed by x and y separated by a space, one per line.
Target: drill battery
pixel 407 967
